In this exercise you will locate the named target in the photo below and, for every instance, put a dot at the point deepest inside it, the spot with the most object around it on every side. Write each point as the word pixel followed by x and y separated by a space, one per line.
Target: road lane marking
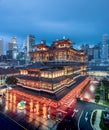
pixel 86 114
pixel 79 119
pixel 86 118
pixel 91 118
pixel 73 114
pixel 75 110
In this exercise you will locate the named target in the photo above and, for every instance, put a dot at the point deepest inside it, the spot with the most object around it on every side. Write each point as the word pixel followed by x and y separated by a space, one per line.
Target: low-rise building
pixel 4 73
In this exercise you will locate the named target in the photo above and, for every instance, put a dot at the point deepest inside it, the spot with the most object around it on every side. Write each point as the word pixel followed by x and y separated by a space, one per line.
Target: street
pixel 83 116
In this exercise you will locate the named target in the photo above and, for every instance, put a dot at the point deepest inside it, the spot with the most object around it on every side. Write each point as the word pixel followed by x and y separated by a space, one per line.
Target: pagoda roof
pixel 41 45
pixel 55 96
pixel 49 80
pixel 38 65
pixel 53 69
pixel 64 63
pixel 33 72
pixel 53 80
pixel 39 51
pixel 60 49
pixel 63 41
pixel 26 77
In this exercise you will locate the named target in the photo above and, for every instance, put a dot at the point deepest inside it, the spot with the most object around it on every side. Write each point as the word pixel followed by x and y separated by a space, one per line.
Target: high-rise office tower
pixel 85 47
pixel 1 47
pixel 96 52
pixel 30 42
pixel 12 48
pixel 105 46
pixel 9 46
pixel 15 48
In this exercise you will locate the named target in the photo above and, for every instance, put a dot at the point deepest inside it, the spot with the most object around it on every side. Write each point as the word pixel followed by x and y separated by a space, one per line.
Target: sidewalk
pixel 97 120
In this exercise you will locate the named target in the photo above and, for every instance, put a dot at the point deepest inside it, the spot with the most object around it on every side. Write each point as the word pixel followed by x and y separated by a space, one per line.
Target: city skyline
pixel 21 43
pixel 81 21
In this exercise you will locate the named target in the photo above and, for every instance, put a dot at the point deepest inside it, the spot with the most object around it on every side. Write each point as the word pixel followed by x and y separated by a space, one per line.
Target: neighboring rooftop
pixel 8 71
pixel 99 68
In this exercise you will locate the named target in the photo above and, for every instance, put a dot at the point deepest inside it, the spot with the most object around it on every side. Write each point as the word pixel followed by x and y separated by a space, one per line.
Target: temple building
pixel 52 83
pixel 54 67
pixel 58 51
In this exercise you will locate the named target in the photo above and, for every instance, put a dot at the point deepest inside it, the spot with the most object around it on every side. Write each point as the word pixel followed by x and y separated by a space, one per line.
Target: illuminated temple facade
pixel 54 67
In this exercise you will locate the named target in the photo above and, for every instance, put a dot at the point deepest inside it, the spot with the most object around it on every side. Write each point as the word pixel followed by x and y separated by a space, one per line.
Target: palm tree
pixel 11 80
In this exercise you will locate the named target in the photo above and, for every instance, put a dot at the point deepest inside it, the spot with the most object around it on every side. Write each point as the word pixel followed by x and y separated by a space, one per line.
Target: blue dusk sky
pixel 82 21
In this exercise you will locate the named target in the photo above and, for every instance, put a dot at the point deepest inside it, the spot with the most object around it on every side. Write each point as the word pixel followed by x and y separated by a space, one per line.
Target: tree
pixel 97 97
pixel 11 80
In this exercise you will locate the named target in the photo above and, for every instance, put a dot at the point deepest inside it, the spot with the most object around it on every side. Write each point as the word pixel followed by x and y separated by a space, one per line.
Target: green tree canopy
pixel 11 80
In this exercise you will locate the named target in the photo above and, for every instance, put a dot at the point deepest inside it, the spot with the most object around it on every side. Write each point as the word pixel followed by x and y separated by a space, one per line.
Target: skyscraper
pixel 105 50
pixel 96 51
pixel 12 48
pixel 1 47
pixel 30 42
pixel 15 48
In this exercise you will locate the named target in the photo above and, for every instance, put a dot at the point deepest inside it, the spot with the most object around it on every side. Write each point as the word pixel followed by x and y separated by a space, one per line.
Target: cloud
pixel 81 20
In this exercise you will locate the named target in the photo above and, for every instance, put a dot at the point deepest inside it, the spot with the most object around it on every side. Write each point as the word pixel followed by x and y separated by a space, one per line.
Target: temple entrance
pixel 28 105
pixel 21 106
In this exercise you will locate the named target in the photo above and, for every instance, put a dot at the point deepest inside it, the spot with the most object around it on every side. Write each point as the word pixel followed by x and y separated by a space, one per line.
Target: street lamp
pixel 49 109
pixel 92 88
